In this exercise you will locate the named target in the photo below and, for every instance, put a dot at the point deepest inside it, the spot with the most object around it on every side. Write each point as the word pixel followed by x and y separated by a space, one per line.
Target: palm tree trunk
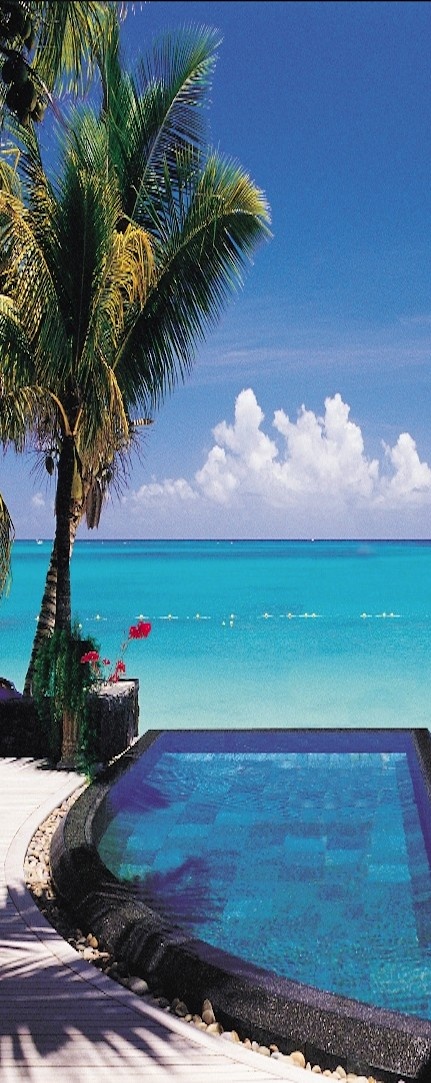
pixel 46 618
pixel 47 614
pixel 66 470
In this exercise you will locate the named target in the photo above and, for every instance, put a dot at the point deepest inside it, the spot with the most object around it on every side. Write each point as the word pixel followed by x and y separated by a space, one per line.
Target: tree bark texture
pixel 66 469
pixel 46 620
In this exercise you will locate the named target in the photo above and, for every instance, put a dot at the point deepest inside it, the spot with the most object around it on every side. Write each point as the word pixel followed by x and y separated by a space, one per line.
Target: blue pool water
pixel 303 853
pixel 248 633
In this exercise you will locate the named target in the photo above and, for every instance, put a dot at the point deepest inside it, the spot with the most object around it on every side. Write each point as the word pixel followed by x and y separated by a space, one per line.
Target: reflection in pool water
pixel 303 852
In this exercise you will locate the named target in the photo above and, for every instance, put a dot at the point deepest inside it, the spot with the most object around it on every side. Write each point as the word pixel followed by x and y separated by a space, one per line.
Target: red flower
pixel 90 656
pixel 119 668
pixel 137 631
pixel 140 631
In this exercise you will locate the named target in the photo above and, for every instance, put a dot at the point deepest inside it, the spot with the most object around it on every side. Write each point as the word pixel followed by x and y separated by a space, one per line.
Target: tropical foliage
pixel 115 267
pixel 61 688
pixel 49 46
pixel 7 534
pixel 15 406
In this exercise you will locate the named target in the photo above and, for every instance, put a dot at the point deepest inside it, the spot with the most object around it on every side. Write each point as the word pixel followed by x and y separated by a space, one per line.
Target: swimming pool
pixel 284 874
pixel 307 855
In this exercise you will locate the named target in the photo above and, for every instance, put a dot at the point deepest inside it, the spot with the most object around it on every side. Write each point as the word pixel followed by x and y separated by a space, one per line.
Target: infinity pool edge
pixel 329 1029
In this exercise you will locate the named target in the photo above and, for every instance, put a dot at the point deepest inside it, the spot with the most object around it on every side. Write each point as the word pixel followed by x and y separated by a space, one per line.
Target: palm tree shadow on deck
pixel 52 1013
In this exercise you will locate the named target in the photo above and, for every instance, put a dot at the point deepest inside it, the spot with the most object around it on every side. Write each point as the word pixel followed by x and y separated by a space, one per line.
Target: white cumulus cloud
pixel 243 457
pixel 316 455
pixel 168 489
pixel 300 476
pixel 216 479
pixel 326 454
pixel 411 478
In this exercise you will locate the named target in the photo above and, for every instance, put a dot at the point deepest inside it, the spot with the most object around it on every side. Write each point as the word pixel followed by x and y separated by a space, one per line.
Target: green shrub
pixel 62 683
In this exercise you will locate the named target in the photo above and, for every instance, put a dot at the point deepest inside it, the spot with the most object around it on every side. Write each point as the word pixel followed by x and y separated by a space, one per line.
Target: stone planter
pixel 114 710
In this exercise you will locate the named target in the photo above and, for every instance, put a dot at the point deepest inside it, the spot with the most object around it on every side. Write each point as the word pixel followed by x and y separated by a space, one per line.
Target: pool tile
pixel 338 859
pixel 333 862
pixel 422 911
pixel 389 874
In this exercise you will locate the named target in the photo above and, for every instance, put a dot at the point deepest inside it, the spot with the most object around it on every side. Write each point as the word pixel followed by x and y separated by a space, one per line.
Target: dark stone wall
pixel 115 714
pixel 115 717
pixel 20 729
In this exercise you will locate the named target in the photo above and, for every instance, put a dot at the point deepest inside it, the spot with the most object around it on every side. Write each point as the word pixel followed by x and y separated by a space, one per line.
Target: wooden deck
pixel 59 1016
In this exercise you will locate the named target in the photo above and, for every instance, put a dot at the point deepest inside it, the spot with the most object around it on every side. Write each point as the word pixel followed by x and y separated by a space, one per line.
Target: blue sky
pixel 308 412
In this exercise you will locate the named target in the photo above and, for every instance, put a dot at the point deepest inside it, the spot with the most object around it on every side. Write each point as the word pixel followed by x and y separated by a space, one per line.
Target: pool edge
pixel 329 1029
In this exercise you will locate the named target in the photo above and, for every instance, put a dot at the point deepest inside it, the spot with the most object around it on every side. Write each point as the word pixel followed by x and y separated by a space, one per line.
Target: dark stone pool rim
pixel 329 1029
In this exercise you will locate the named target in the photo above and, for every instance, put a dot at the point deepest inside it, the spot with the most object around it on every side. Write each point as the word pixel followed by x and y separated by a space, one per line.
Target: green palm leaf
pixel 158 112
pixel 9 178
pixel 7 534
pixel 69 38
pixel 205 229
pixel 28 280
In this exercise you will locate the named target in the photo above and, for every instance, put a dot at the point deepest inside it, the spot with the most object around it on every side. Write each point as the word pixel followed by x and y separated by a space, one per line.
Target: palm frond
pixel 28 281
pixel 104 427
pixel 87 210
pixel 205 229
pixel 7 534
pixel 15 412
pixel 9 177
pixel 160 111
pixel 110 263
pixel 122 294
pixel 17 363
pixel 69 35
pixel 26 413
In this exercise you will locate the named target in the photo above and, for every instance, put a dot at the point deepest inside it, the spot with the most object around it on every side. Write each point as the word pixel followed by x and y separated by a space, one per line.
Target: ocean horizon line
pixel 315 540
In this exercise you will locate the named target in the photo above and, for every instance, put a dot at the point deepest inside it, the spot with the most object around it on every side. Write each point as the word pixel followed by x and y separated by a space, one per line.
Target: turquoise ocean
pixel 247 633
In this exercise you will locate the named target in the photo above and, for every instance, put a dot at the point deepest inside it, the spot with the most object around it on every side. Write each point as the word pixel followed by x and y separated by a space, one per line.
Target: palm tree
pixel 115 268
pixel 70 280
pixel 59 44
